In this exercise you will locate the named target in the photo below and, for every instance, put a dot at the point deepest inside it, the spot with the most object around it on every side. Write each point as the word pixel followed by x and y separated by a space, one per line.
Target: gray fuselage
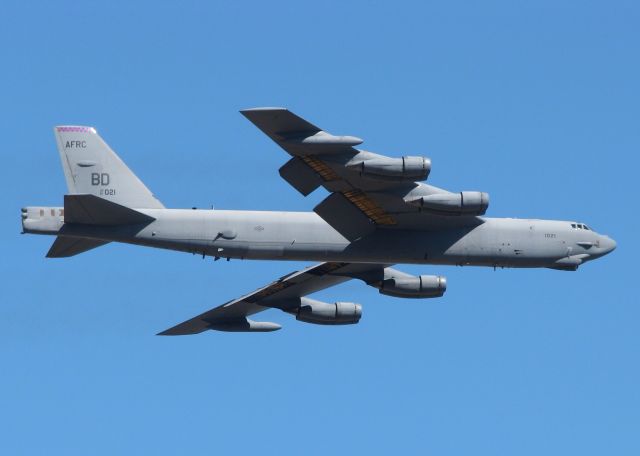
pixel 497 242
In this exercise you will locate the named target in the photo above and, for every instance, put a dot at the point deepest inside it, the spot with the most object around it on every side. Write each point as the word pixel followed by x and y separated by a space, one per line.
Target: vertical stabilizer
pixel 91 167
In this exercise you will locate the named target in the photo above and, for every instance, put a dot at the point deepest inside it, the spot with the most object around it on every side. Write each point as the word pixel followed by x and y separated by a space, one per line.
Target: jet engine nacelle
pixel 323 313
pixel 424 286
pixel 463 203
pixel 400 169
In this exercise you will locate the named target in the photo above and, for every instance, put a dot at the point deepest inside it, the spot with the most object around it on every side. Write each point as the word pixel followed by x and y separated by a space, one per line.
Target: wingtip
pixel 265 108
pixel 244 325
pixel 180 330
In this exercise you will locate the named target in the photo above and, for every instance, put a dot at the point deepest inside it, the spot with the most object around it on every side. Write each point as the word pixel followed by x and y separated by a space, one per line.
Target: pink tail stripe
pixel 76 129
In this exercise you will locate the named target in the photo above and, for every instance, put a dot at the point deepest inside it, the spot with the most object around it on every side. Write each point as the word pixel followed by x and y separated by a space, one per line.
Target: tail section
pixel 93 210
pixel 91 167
pixel 78 210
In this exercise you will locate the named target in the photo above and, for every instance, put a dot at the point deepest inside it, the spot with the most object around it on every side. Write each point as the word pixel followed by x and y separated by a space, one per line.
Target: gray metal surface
pixel 91 167
pixel 368 222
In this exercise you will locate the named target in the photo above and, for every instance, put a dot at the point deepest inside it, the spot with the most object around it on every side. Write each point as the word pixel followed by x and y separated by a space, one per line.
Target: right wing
pixel 284 294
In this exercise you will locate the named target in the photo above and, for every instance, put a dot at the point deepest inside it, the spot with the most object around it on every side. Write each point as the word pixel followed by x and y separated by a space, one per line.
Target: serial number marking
pixel 107 191
pixel 549 235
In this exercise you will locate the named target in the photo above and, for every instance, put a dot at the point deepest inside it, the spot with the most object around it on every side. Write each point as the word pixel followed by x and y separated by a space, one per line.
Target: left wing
pixel 367 190
pixel 285 293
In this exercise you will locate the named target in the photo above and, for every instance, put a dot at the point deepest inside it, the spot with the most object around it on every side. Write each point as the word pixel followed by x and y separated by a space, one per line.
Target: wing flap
pixel 344 216
pixel 300 176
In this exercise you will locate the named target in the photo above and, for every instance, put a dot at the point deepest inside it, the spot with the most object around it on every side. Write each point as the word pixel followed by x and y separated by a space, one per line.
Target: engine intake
pixel 463 203
pixel 401 169
pixel 323 313
pixel 424 286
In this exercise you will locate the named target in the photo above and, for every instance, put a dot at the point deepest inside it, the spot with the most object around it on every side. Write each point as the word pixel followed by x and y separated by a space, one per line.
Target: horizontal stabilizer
pixel 93 210
pixel 64 247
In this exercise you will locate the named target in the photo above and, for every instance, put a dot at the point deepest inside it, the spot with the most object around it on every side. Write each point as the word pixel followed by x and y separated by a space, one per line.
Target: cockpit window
pixel 580 226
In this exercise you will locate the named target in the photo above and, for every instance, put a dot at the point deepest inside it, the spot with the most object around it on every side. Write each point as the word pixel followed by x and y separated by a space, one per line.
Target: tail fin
pixel 91 167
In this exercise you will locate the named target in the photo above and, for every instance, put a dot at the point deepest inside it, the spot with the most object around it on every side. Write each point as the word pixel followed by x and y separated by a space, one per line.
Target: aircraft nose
pixel 608 244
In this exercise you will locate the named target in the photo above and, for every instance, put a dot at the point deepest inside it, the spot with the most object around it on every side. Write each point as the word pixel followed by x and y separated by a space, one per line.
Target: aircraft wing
pixel 360 201
pixel 284 294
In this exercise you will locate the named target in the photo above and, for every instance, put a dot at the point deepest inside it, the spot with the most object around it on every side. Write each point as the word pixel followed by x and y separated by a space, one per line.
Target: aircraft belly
pixel 268 250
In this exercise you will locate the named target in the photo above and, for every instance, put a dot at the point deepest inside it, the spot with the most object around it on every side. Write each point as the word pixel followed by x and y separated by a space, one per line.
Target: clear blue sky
pixel 536 103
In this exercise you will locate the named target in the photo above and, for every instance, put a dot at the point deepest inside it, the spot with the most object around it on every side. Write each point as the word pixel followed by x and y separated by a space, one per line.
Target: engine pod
pixel 463 203
pixel 400 169
pixel 323 313
pixel 423 286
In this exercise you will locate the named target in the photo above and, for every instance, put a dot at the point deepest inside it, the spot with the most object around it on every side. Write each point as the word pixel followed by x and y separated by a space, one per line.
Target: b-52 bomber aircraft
pixel 378 213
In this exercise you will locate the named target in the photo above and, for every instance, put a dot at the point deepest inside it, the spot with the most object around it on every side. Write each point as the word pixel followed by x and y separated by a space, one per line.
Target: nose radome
pixel 609 244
